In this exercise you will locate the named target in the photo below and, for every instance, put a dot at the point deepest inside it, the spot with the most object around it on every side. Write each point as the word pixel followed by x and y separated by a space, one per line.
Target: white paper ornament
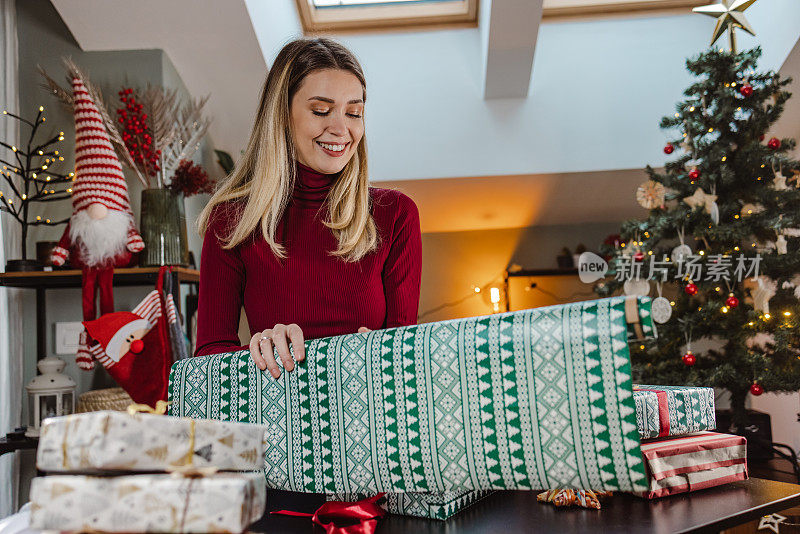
pixel 681 253
pixel 779 182
pixel 766 289
pixel 780 244
pixel 636 287
pixel 701 199
pixel 714 213
pixel 660 310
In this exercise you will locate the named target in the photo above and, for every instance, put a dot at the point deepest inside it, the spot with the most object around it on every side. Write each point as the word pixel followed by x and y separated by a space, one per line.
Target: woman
pixel 296 234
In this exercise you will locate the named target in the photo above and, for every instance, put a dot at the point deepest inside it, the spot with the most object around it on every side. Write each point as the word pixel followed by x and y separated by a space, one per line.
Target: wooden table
pixel 41 281
pixel 511 512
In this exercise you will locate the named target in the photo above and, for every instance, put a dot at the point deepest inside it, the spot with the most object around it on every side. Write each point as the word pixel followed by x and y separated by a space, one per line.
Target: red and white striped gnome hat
pixel 98 172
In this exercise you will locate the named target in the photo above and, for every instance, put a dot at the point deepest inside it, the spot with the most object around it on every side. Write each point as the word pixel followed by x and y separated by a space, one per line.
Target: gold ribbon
pixel 160 409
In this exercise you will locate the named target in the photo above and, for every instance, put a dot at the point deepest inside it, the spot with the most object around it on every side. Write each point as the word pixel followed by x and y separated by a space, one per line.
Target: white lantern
pixel 50 394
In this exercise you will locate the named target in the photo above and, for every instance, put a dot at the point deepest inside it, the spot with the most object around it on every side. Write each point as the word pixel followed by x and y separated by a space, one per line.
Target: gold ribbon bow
pixel 160 409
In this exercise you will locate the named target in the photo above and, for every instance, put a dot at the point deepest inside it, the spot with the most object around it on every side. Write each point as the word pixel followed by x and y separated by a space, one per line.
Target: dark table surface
pixel 508 512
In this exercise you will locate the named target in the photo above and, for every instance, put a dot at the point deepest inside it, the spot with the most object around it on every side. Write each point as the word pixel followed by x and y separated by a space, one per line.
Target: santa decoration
pixel 101 234
pixel 134 347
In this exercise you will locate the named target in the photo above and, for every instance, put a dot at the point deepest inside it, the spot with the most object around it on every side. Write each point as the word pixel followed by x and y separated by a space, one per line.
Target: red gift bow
pixel 360 517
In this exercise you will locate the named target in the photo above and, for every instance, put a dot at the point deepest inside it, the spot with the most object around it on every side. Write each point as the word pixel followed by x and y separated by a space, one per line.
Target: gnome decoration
pixel 101 233
pixel 134 348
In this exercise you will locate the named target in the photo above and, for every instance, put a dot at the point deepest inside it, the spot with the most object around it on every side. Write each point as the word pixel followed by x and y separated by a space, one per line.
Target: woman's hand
pixel 363 330
pixel 263 345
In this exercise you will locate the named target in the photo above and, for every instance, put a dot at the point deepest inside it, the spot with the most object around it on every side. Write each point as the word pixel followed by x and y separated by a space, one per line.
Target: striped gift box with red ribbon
pixel 693 462
pixel 673 410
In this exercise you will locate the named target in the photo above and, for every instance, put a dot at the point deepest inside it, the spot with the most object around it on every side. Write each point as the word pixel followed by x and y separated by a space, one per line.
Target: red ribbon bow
pixel 360 517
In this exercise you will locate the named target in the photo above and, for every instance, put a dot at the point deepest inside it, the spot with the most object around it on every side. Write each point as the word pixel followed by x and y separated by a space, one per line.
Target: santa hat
pixel 112 329
pixel 98 172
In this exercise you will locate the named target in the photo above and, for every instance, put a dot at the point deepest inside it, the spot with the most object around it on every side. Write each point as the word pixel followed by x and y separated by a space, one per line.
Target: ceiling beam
pixel 509 29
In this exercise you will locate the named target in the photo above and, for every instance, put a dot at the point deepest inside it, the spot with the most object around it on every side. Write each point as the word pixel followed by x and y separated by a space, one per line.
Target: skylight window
pixel 350 15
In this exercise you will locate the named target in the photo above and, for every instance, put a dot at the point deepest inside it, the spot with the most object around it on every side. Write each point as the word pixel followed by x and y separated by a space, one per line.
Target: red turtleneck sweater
pixel 324 295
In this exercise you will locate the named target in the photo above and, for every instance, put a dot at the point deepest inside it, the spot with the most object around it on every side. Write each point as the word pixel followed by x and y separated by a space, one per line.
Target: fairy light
pixel 736 216
pixel 24 196
pixel 710 130
pixel 672 303
pixel 691 108
pixel 724 158
pixel 750 323
pixel 14 149
pixel 38 218
pixel 47 179
pixel 787 314
pixel 55 152
pixel 717 289
pixel 763 165
pixel 41 153
pixel 47 221
pixel 701 252
pixel 641 347
pixel 677 115
pixel 724 309
pixel 736 249
pixel 478 289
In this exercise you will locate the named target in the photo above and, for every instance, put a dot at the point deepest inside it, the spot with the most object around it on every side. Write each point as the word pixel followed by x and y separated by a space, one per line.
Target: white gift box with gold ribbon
pixel 131 441
pixel 222 502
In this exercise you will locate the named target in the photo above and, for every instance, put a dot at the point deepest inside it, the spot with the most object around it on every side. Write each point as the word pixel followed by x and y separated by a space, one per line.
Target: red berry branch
pixel 190 179
pixel 136 133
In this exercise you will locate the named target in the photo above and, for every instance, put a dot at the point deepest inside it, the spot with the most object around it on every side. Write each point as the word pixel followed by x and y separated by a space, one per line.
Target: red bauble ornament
pixel 691 288
pixel 774 143
pixel 756 390
pixel 639 256
pixel 694 174
pixel 668 149
pixel 689 359
pixel 732 301
pixel 746 89
pixel 137 346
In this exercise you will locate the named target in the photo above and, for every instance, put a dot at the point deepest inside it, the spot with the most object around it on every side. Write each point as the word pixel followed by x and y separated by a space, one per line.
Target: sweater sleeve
pixel 403 268
pixel 222 278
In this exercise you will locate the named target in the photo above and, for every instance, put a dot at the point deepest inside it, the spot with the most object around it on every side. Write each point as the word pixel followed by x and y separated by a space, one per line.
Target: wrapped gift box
pixel 114 441
pixel 673 410
pixel 693 462
pixel 527 399
pixel 223 502
pixel 429 505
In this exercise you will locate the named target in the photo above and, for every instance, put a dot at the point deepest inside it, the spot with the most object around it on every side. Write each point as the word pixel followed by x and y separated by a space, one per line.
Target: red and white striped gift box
pixel 693 462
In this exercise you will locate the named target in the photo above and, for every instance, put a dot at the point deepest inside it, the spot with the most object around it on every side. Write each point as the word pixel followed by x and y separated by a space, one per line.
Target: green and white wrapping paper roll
pixel 530 399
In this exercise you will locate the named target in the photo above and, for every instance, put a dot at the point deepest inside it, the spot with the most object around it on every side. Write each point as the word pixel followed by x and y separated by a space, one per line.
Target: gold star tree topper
pixel 729 15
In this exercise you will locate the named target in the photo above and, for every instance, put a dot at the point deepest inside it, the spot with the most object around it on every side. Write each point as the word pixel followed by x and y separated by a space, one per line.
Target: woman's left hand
pixel 363 330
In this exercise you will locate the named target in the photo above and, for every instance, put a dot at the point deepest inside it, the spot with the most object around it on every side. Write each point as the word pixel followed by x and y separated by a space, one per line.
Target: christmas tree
pixel 722 238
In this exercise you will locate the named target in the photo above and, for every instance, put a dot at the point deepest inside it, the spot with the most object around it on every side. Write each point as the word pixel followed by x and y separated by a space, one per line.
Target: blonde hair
pixel 263 178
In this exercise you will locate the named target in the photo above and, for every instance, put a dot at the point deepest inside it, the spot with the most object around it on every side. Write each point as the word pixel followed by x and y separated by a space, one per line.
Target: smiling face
pixel 327 119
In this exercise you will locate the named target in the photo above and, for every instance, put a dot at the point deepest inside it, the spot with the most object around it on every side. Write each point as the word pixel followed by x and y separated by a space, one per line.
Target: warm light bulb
pixel 691 108
pixel 494 295
pixel 767 316
pixel 710 130
pixel 736 248
pixel 787 313
pixel 701 252
pixel 672 303
pixel 24 196
pixel 476 288
pixel 677 115
pixel 724 309
pixel 724 158
pixel 41 108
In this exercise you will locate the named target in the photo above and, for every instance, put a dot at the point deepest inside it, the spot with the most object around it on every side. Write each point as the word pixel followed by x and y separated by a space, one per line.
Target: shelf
pixel 572 271
pixel 128 276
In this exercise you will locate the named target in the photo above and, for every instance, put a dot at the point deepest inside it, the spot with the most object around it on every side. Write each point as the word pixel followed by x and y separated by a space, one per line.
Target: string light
pixel 672 303
pixel 767 316
pixel 677 115
pixel 701 252
pixel 736 249
pixel 38 218
pixel 736 216
pixel 710 130
pixel 691 108
pixel 750 323
pixel 724 158
pixel 724 309
pixel 787 313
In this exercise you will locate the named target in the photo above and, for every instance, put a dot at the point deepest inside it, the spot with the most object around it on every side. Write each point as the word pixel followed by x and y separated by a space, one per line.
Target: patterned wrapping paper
pixel 528 399
pixel 693 462
pixel 114 441
pixel 428 505
pixel 224 502
pixel 673 410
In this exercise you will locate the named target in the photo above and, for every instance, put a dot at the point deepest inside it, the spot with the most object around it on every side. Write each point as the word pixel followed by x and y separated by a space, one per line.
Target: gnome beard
pixel 103 240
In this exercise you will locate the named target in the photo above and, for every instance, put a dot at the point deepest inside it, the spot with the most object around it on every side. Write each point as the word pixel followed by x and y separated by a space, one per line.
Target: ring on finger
pixel 263 338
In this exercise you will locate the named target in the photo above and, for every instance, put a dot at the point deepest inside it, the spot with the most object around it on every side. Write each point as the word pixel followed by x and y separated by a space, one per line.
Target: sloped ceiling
pixel 513 124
